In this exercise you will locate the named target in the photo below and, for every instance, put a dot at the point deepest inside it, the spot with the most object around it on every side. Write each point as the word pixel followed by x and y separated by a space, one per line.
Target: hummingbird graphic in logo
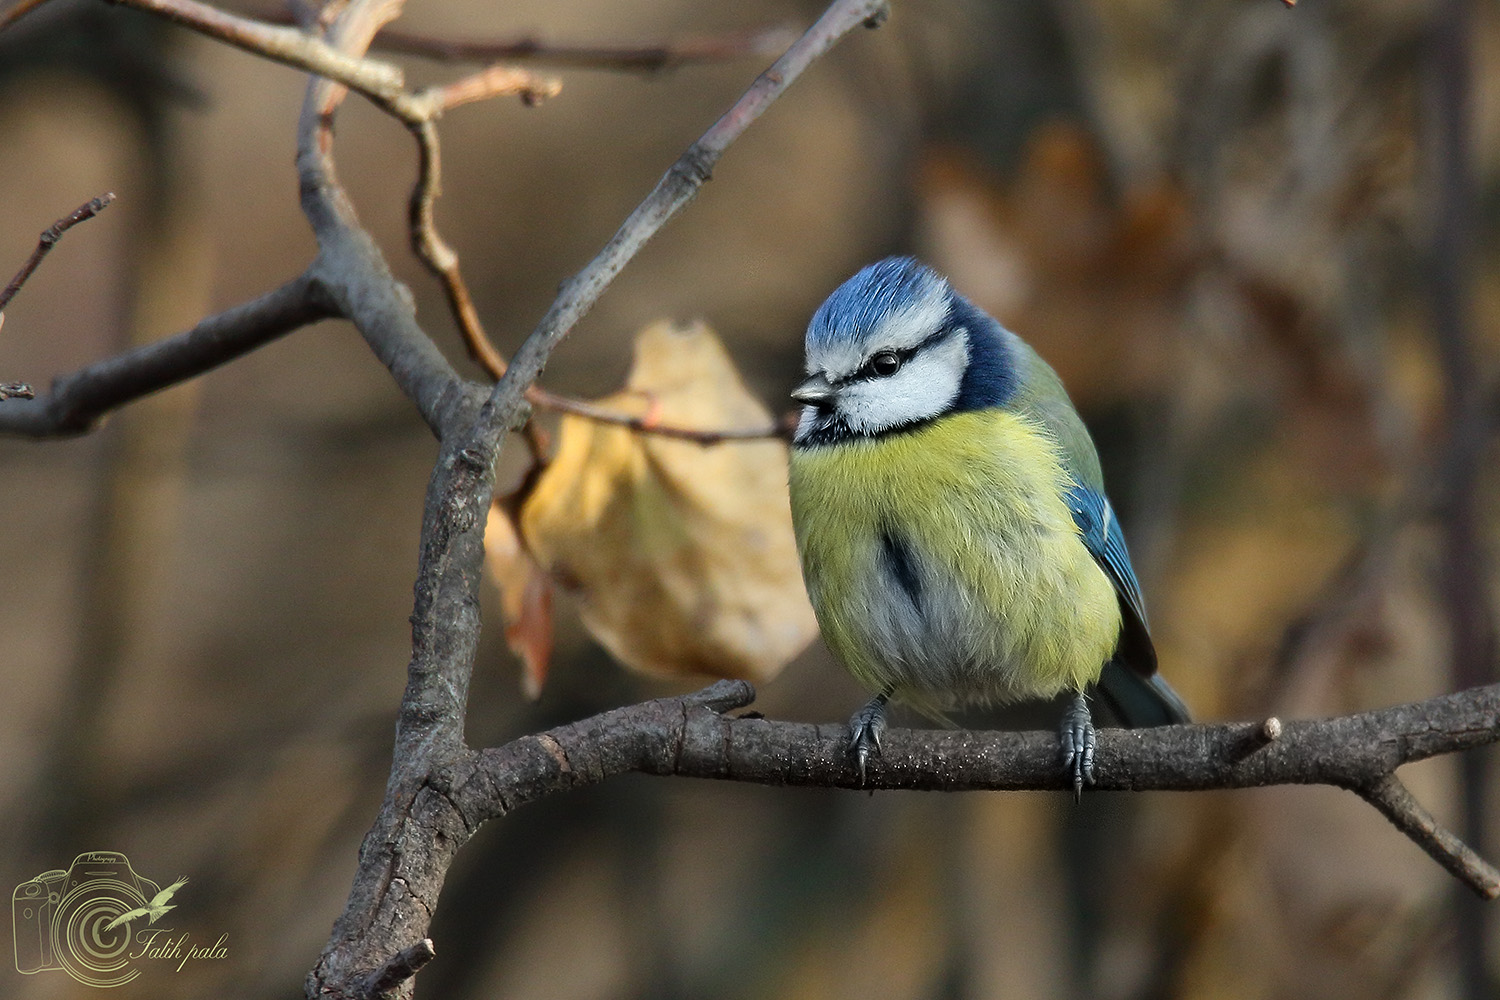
pixel 152 911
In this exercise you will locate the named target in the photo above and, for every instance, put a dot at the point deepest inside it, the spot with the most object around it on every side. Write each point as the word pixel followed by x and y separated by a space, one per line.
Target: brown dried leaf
pixel 682 555
pixel 525 599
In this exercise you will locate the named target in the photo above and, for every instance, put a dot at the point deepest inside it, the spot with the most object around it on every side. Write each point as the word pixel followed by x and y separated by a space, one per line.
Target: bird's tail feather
pixel 1140 702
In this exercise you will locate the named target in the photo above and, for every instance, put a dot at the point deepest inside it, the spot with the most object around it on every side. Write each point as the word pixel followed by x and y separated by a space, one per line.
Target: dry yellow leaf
pixel 682 555
pixel 525 599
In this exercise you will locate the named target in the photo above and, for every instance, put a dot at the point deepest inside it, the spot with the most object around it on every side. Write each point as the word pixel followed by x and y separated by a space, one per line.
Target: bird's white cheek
pixel 923 389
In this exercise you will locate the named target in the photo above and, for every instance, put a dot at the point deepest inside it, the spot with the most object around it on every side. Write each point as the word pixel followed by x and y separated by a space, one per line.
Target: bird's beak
pixel 814 392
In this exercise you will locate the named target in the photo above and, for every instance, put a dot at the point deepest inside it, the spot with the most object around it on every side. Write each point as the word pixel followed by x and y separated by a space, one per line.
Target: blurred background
pixel 1257 243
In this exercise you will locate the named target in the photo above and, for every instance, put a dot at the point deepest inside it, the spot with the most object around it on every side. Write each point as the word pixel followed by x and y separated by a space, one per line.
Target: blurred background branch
pixel 377 923
pixel 1464 575
pixel 655 57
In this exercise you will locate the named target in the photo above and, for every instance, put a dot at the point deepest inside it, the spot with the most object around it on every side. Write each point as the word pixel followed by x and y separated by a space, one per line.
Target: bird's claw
pixel 1078 739
pixel 865 729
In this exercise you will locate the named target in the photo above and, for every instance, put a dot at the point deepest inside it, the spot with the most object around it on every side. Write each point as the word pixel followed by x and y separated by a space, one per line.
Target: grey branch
pixel 433 811
pixel 350 265
pixel 691 737
pixel 77 401
pixel 440 791
pixel 395 891
pixel 676 188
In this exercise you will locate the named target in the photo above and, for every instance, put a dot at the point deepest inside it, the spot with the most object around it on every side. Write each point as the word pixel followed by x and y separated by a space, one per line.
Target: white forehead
pixel 898 330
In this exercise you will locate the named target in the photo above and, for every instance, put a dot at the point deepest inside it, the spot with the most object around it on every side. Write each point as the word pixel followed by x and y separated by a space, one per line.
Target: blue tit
pixel 950 514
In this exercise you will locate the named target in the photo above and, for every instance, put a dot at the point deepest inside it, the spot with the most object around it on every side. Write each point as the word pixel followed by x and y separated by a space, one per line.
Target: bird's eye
pixel 885 363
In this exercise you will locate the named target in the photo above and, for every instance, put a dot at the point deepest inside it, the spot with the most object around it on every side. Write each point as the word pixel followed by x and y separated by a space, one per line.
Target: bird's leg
pixel 1077 736
pixel 865 728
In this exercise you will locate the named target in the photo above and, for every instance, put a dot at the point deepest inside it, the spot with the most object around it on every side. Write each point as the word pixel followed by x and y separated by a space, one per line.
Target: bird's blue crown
pixel 857 306
pixel 856 309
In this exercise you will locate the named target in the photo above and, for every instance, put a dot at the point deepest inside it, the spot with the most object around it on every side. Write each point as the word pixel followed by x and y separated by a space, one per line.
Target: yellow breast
pixel 944 562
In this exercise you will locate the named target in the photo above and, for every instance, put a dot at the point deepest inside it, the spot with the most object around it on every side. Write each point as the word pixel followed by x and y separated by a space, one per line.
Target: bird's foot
pixel 1077 736
pixel 865 729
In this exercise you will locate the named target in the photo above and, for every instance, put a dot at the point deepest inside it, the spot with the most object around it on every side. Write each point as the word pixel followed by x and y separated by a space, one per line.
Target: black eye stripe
pixel 867 371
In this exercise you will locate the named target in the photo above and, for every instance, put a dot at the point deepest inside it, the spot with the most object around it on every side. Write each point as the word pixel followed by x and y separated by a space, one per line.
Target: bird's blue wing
pixel 1138 695
pixel 1106 543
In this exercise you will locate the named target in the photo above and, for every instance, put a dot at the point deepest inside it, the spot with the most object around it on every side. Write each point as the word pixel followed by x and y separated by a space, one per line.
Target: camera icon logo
pixel 81 920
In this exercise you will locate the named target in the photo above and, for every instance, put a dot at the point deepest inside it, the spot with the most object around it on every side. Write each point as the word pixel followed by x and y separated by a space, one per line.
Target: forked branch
pixel 382 83
pixel 380 922
pixel 676 188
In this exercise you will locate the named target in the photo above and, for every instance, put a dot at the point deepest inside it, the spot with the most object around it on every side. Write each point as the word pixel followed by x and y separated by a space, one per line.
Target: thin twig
pixel 439 257
pixel 350 266
pixel 543 399
pixel 442 260
pixel 675 189
pixel 16 390
pixel 419 111
pixel 49 238
pixel 672 192
pixel 416 812
pixel 382 83
pixel 495 81
pixel 400 967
